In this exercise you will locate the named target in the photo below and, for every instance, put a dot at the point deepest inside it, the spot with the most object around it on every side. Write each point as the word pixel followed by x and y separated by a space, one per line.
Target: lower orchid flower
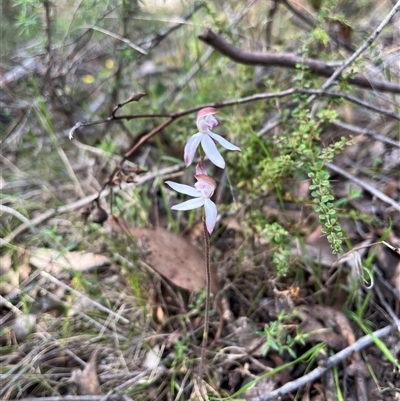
pixel 205 122
pixel 201 192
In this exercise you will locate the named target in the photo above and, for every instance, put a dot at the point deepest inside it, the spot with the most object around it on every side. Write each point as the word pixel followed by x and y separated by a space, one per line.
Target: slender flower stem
pixel 207 307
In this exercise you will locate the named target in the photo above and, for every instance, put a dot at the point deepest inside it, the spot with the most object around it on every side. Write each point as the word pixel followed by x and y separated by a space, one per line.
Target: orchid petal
pixel 223 142
pixel 211 214
pixel 206 111
pixel 189 204
pixel 183 189
pixel 190 148
pixel 206 123
pixel 212 152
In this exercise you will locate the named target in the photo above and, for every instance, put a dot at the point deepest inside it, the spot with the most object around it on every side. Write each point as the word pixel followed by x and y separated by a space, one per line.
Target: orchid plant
pixel 202 192
pixel 205 185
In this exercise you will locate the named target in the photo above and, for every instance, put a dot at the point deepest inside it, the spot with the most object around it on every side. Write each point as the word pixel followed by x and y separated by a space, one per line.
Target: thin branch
pixel 352 99
pixel 133 98
pixel 161 35
pixel 291 60
pixel 118 37
pixel 369 188
pixel 18 215
pixel 364 131
pixel 330 362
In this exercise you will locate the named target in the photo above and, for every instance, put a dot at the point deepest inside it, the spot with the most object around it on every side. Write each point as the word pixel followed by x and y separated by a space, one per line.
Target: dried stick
pixel 291 60
pixel 289 387
pixel 364 131
pixel 18 215
pixel 118 37
pixel 154 40
pixel 372 190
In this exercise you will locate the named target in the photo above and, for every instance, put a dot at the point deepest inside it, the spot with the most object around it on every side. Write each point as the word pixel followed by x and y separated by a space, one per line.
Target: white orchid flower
pixel 205 123
pixel 202 191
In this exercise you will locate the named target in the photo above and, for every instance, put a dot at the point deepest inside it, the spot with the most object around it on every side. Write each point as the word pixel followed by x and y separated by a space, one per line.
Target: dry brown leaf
pixel 172 256
pixel 317 332
pixel 86 380
pixel 55 262
pixel 330 318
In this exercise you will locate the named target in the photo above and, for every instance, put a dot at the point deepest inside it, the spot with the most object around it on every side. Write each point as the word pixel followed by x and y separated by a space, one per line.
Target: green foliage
pixel 28 19
pixel 279 238
pixel 364 324
pixel 278 338
pixel 320 35
pixel 309 357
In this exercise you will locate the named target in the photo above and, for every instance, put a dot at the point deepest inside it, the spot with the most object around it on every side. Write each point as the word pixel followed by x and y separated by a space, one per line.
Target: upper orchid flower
pixel 205 123
pixel 202 192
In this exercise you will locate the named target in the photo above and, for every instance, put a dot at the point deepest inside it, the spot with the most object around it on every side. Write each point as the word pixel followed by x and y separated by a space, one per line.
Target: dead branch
pixel 290 60
pixel 372 190
pixel 365 131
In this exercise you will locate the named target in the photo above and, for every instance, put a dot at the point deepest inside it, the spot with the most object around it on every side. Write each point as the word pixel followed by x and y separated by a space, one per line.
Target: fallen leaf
pixel 56 262
pixel 152 359
pixel 172 256
pixel 86 380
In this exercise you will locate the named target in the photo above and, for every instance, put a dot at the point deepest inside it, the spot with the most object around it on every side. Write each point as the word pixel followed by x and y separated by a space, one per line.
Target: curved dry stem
pixel 207 308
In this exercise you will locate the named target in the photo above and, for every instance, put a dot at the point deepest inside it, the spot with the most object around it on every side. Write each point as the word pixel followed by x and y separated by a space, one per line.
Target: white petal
pixel 190 148
pixel 223 142
pixel 189 205
pixel 212 152
pixel 211 214
pixel 183 189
